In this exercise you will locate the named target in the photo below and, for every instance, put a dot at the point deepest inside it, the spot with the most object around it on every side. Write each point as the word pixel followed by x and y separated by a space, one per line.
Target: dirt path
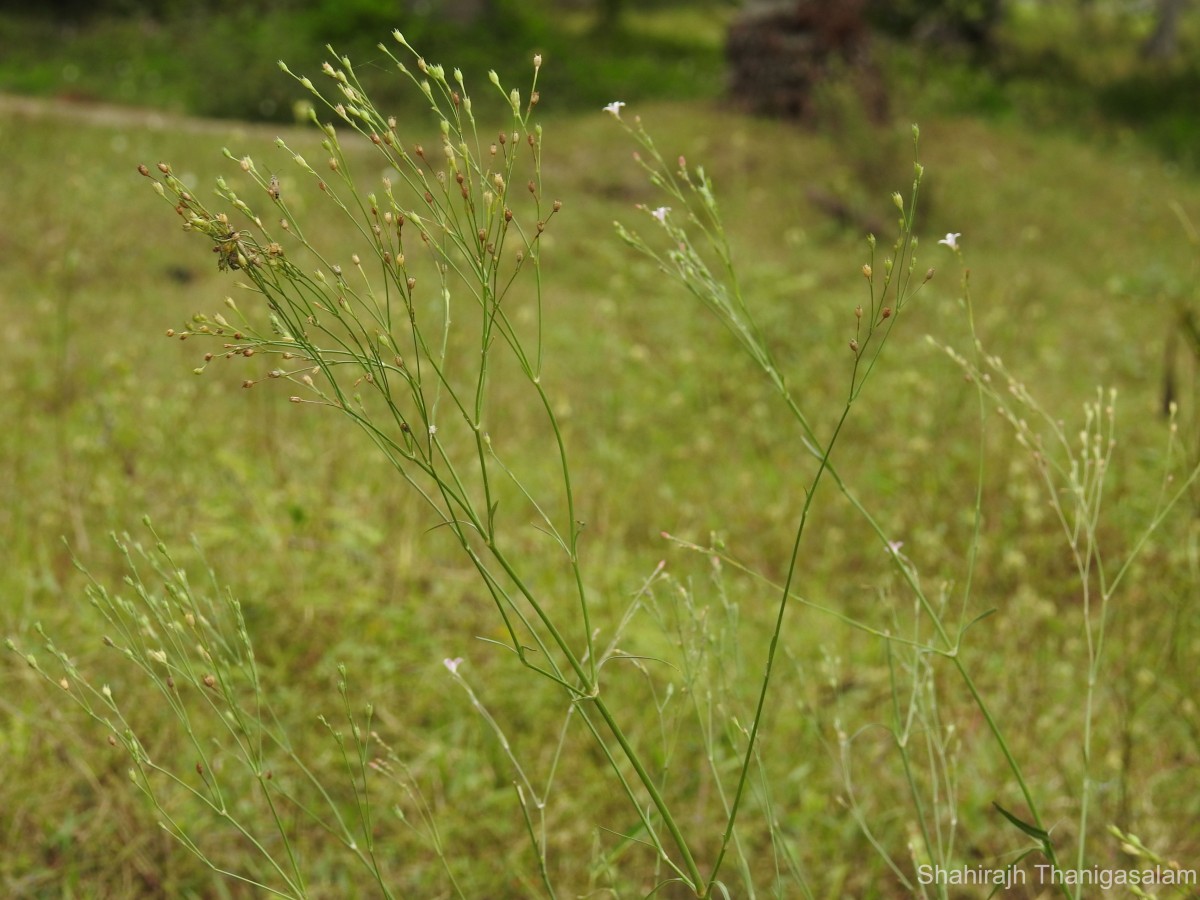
pixel 114 116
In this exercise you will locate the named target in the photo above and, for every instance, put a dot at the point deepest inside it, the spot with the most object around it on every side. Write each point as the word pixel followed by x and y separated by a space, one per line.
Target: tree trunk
pixel 1162 44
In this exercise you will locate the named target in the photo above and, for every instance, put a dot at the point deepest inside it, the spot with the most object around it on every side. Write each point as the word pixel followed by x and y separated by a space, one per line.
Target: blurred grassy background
pixel 1061 187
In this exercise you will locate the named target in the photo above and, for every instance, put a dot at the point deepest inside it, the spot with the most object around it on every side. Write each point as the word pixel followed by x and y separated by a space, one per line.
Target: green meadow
pixel 1079 250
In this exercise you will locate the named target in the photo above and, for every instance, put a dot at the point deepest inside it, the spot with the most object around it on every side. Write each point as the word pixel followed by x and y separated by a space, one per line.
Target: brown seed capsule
pixel 273 188
pixel 142 168
pixel 886 312
pixel 209 681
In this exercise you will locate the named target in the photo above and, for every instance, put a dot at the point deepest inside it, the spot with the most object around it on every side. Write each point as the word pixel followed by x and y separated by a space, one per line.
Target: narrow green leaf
pixel 1032 830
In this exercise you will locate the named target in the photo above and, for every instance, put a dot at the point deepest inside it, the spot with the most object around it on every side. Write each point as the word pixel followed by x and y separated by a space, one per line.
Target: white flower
pixel 951 239
pixel 894 547
pixel 452 664
pixel 661 213
pixel 614 108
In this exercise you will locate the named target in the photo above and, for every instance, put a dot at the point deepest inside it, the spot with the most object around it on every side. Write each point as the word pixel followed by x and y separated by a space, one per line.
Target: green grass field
pixel 1078 264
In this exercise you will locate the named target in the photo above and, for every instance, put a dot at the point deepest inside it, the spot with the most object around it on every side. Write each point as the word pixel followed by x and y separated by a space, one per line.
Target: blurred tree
pixel 608 16
pixel 782 55
pixel 1164 40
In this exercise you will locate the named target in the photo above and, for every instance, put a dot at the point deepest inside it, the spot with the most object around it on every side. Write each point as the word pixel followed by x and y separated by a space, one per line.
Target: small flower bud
pixel 928 275
pixel 854 345
pixel 866 270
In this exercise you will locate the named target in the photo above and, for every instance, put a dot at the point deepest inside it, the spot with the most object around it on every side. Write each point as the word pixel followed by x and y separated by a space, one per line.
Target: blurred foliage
pixel 1049 64
pixel 218 60
pixel 972 23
